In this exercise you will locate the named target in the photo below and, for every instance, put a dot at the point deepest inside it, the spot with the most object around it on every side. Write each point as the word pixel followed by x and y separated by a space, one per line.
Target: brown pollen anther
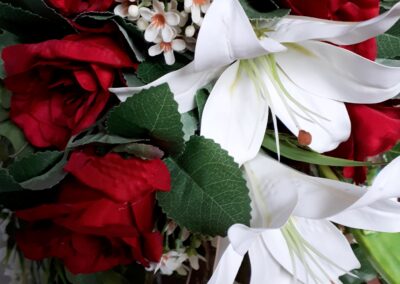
pixel 304 138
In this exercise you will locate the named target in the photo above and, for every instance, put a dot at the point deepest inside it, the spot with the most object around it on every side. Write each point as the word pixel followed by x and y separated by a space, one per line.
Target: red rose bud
pixel 61 86
pixel 92 226
pixel 71 8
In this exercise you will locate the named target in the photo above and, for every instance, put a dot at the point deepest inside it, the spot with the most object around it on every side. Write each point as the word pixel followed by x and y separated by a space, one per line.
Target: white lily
pixel 292 237
pixel 288 69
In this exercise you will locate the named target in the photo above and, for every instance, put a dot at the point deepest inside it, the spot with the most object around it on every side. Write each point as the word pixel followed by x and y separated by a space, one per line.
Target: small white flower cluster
pixel 176 260
pixel 164 24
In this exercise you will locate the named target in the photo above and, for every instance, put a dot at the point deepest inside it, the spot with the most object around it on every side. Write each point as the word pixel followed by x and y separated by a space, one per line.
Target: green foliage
pixel 107 277
pixel 100 138
pixel 190 124
pixel 201 99
pixel 209 193
pixel 383 251
pixel 6 39
pixel 392 153
pixel 133 37
pixel 253 14
pixel 389 43
pixel 132 80
pixel 387 4
pixel 7 182
pixel 24 19
pixel 144 151
pixel 41 170
pixel 365 273
pixel 13 134
pixel 152 113
pixel 149 71
pixel 291 150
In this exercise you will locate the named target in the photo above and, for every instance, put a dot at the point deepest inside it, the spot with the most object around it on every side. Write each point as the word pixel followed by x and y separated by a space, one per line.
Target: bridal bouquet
pixel 199 141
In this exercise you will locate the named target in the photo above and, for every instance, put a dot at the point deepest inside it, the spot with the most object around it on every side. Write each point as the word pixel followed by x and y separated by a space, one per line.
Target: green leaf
pixel 201 99
pixel 144 151
pixel 13 134
pixel 107 277
pixel 388 46
pixel 40 8
pixel 190 124
pixel 49 178
pixel 34 165
pixel 392 153
pixel 387 4
pixel 209 193
pixel 6 39
pixel 152 113
pixel 389 43
pixel 132 80
pixel 132 35
pixel 253 14
pixel 101 138
pixel 7 183
pixel 150 71
pixel 365 273
pixel 5 96
pixel 383 251
pixel 22 22
pixel 291 150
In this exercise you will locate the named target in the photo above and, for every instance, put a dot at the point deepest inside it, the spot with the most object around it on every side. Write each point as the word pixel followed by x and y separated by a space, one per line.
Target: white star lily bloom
pixel 287 69
pixel 292 237
pixel 161 22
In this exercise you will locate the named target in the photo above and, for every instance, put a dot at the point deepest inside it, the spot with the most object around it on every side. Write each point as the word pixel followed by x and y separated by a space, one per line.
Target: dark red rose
pixel 340 10
pixel 61 86
pixel 93 229
pixel 374 130
pixel 122 180
pixel 70 8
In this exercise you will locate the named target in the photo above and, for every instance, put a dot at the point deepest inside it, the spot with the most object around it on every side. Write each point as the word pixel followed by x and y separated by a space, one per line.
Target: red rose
pixel 61 86
pixel 70 8
pixel 340 10
pixel 374 130
pixel 94 228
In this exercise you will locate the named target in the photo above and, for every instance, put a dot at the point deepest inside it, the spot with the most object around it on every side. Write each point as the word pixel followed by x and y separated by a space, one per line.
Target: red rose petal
pixel 121 179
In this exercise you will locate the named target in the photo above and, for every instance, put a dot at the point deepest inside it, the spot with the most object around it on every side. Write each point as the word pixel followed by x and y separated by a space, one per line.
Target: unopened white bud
pixel 189 31
pixel 133 11
pixel 142 24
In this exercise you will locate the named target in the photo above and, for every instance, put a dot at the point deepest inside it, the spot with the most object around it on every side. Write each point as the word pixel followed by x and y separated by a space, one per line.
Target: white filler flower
pixel 161 22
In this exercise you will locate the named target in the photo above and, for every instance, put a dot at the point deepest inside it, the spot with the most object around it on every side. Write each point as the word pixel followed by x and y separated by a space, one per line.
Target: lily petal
pixel 335 73
pixel 381 216
pixel 326 120
pixel 264 268
pixel 235 115
pixel 272 200
pixel 183 83
pixel 226 25
pixel 320 198
pixel 330 257
pixel 227 267
pixel 298 29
